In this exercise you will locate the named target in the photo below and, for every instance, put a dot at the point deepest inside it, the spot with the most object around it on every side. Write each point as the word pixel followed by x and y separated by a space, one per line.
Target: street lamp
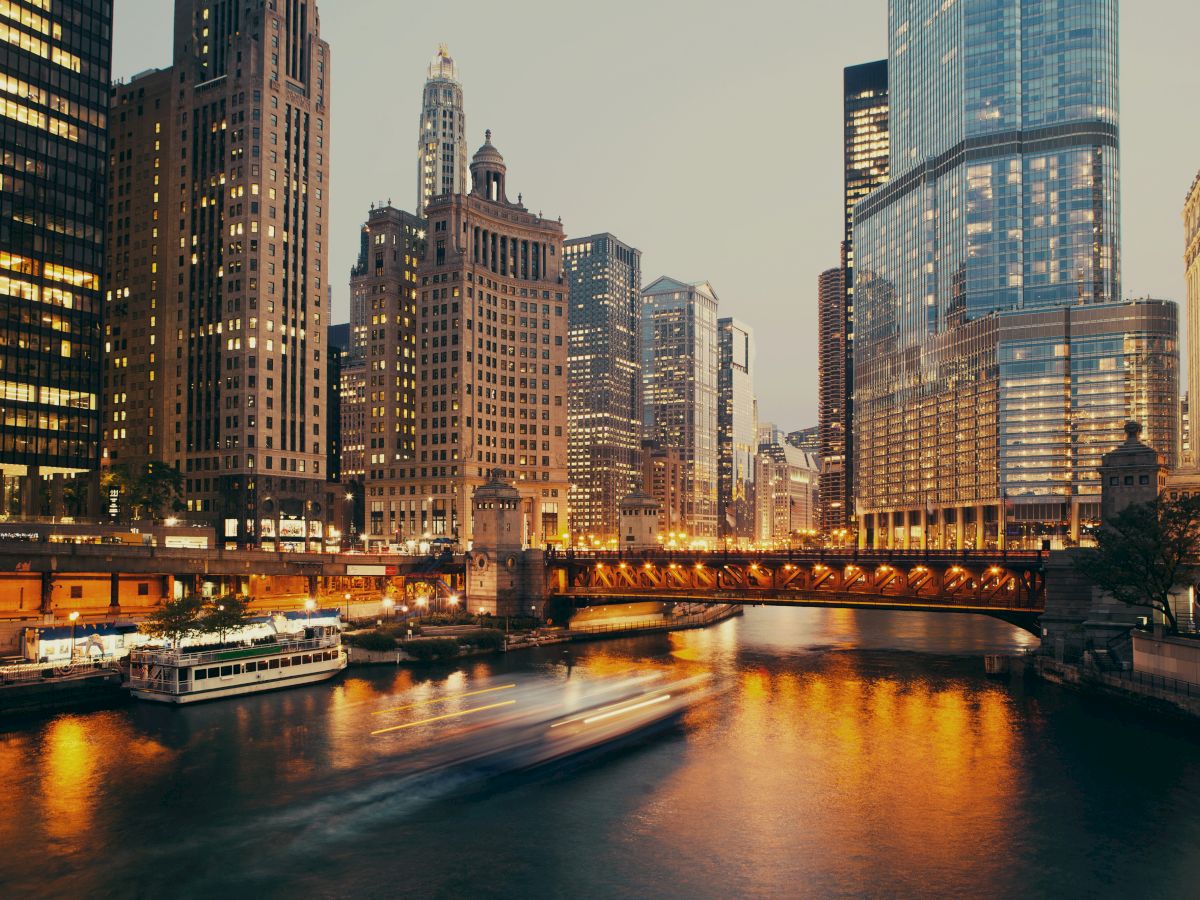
pixel 73 616
pixel 388 604
pixel 309 605
pixel 453 600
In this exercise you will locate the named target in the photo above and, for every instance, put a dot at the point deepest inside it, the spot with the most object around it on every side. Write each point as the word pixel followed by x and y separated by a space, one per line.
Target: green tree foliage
pixel 146 488
pixel 175 620
pixel 225 615
pixel 1147 551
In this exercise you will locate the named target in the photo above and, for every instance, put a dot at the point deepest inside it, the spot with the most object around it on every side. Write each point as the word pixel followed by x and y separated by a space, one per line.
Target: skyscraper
pixel 737 430
pixel 834 428
pixel 1191 258
pixel 54 74
pixel 442 143
pixel 383 295
pixel 231 308
pixel 679 390
pixel 604 390
pixel 492 359
pixel 865 151
pixel 786 487
pixel 993 361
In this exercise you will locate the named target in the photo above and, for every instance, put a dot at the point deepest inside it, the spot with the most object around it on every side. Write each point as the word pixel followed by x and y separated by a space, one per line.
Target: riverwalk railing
pixel 1159 682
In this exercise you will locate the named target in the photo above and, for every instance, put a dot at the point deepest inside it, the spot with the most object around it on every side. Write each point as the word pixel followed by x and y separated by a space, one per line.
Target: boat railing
pixel 24 672
pixel 182 657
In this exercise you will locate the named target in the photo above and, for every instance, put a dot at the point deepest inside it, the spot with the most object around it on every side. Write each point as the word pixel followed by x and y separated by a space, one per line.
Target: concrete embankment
pixel 94 688
pixel 1149 693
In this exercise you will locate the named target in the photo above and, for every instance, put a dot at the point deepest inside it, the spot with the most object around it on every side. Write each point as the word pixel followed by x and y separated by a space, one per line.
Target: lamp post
pixel 309 605
pixel 73 616
pixel 346 597
pixel 388 605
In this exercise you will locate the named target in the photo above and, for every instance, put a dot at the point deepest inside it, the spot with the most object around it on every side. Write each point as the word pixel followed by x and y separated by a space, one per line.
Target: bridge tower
pixel 639 522
pixel 503 578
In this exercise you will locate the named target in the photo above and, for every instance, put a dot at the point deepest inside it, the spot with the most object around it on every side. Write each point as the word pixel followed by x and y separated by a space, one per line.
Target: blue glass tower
pixel 973 428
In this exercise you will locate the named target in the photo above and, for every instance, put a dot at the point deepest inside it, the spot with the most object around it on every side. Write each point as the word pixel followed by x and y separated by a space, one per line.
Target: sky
pixel 705 133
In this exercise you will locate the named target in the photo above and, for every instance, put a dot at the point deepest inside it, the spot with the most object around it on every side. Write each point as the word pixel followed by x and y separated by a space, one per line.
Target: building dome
pixel 487 154
pixel 487 172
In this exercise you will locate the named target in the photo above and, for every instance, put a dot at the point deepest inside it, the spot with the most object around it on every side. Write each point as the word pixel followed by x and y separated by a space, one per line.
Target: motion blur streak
pixel 445 699
pixel 626 709
pixel 453 715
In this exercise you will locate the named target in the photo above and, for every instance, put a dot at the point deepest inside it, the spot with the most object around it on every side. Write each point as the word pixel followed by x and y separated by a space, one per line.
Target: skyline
pixel 689 216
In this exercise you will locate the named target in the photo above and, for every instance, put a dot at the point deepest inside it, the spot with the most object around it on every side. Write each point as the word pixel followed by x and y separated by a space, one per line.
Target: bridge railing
pixel 850 555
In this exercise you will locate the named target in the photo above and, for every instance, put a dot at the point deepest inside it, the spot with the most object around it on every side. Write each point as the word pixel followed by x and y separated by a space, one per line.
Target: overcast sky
pixel 704 132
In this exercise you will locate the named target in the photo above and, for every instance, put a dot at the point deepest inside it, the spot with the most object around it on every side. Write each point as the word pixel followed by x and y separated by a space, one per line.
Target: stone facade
pixel 491 361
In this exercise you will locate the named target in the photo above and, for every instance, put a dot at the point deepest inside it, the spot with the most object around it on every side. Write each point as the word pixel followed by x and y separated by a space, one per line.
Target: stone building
pixel 232 322
pixel 491 362
pixel 383 298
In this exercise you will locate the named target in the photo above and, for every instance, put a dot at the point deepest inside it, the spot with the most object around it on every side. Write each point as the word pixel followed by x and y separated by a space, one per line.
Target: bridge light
pixel 699 566
pixel 623 566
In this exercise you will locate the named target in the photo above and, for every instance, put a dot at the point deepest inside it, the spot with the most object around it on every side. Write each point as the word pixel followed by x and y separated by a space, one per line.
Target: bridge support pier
pixel 114 591
pixel 47 593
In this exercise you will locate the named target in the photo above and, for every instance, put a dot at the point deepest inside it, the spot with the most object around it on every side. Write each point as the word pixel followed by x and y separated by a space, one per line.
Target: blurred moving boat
pixel 525 726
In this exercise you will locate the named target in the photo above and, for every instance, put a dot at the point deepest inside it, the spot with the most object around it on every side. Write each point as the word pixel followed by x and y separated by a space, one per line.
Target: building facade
pixel 240 255
pixel 807 439
pixel 54 163
pixel 492 360
pixel 992 352
pixel 1191 259
pixel 866 164
pixel 680 360
pixel 383 295
pixel 833 375
pixel 788 482
pixel 663 479
pixel 737 431
pixel 141 232
pixel 442 143
pixel 604 387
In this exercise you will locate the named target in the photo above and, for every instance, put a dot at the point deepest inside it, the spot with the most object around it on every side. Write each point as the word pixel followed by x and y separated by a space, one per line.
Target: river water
pixel 849 752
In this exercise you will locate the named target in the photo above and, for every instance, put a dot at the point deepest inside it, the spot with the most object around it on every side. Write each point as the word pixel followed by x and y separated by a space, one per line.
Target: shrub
pixel 371 640
pixel 429 649
pixel 486 639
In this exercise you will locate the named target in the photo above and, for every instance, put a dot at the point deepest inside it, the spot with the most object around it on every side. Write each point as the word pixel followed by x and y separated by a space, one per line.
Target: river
pixel 847 753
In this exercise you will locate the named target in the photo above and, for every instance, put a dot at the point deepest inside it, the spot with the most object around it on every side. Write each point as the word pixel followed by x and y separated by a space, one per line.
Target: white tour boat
pixel 188 676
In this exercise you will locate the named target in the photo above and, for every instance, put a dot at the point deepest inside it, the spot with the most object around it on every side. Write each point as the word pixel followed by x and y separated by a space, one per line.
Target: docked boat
pixel 187 675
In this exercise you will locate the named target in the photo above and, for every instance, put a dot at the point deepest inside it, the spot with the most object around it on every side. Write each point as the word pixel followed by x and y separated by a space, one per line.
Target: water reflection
pixel 831 764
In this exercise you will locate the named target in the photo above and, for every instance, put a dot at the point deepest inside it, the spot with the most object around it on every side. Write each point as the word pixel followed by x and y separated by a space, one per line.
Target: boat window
pixel 307 658
pixel 274 664
pixel 201 674
pixel 214 672
pixel 262 665
pixel 286 661
pixel 226 671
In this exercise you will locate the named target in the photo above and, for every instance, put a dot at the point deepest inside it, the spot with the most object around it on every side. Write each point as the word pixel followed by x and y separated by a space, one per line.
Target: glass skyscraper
pixel 737 430
pixel 604 370
pixel 679 385
pixel 54 82
pixel 977 420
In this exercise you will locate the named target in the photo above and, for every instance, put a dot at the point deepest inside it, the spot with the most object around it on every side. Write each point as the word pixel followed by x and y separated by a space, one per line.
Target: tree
pixel 175 620
pixel 1145 552
pixel 147 487
pixel 223 616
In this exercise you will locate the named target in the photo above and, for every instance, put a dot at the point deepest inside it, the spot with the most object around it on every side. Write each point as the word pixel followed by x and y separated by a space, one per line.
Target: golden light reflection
pixel 69 782
pixel 909 765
